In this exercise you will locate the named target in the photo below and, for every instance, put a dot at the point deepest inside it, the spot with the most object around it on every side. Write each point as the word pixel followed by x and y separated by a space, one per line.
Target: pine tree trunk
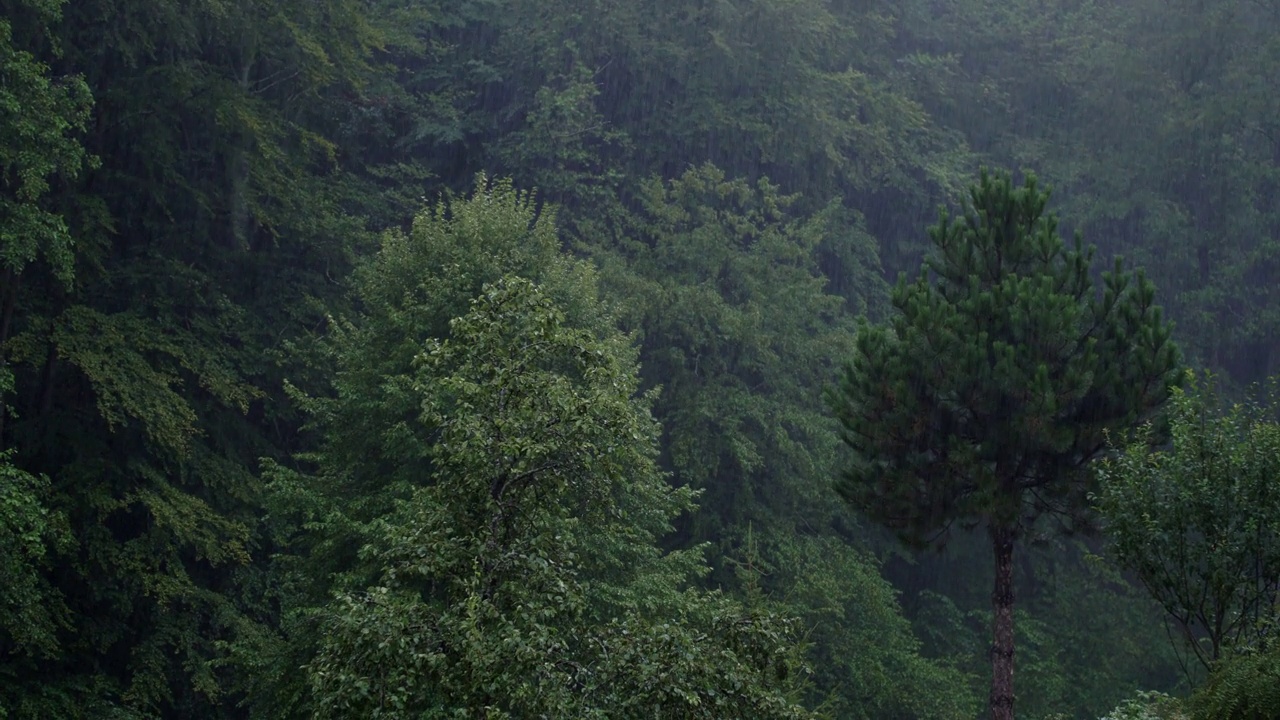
pixel 1002 605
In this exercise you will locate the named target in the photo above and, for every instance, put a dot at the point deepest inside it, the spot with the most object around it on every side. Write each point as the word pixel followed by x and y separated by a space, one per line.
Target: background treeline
pixel 235 403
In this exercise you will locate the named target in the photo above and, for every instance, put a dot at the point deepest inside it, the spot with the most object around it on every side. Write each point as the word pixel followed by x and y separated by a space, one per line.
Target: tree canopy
pixel 510 567
pixel 1196 520
pixel 229 231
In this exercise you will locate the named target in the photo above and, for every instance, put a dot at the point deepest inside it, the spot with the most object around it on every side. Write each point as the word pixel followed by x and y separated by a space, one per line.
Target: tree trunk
pixel 9 292
pixel 1002 605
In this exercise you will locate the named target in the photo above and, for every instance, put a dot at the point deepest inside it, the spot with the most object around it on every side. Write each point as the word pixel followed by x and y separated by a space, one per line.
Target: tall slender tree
pixel 983 399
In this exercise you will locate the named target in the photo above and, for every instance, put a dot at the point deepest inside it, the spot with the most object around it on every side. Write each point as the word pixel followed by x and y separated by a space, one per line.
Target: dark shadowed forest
pixel 644 359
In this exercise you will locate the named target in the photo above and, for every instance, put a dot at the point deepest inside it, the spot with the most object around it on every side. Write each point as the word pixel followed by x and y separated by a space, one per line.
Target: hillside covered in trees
pixel 585 359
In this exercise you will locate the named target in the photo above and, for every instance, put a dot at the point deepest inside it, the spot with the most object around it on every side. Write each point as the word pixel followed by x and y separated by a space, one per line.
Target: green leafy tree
pixel 366 429
pixel 982 400
pixel 42 117
pixel 479 537
pixel 1199 520
pixel 33 613
pixel 523 578
pixel 720 279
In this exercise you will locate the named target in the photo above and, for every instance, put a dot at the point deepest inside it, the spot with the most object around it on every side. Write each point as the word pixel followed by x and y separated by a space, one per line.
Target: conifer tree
pixel 982 400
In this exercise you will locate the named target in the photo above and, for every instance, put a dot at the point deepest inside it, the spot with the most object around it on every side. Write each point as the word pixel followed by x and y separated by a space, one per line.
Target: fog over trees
pixel 587 359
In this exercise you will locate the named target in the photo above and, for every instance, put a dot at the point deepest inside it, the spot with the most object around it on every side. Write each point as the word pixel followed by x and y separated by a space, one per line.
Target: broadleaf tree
pixel 1198 521
pixel 523 579
pixel 477 533
pixel 982 400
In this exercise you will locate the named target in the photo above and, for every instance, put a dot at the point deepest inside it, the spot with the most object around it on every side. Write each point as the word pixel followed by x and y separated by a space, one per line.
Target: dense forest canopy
pixel 474 358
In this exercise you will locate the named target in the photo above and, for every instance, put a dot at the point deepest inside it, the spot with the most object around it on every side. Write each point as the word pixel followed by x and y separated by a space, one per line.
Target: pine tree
pixel 983 399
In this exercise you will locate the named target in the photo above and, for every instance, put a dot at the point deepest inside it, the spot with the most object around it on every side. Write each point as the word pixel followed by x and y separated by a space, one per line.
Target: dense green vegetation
pixel 304 412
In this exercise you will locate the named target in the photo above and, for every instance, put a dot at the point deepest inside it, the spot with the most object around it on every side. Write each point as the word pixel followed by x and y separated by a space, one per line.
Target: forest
pixel 866 359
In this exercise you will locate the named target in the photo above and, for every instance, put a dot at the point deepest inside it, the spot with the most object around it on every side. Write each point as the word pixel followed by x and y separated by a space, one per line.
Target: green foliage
pixel 1149 706
pixel 1196 163
pixel 1106 633
pixel 740 333
pixel 739 329
pixel 867 663
pixel 1156 122
pixel 33 613
pixel 1244 686
pixel 185 187
pixel 1086 637
pixel 367 430
pixel 406 294
pixel 586 101
pixel 523 579
pixel 485 541
pixel 981 400
pixel 144 384
pixel 1197 520
pixel 40 117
